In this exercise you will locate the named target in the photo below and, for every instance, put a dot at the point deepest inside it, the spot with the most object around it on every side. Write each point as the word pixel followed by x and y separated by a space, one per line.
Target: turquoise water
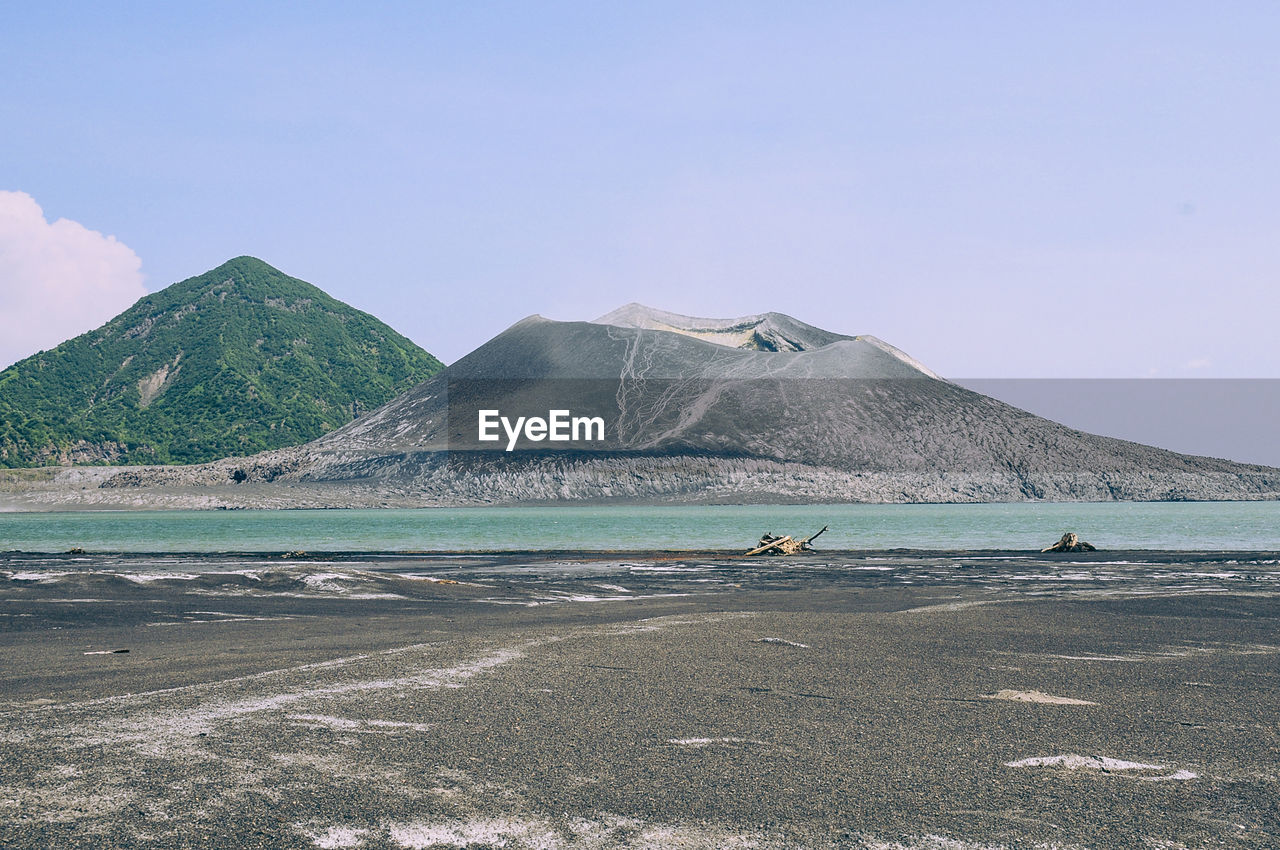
pixel 1145 525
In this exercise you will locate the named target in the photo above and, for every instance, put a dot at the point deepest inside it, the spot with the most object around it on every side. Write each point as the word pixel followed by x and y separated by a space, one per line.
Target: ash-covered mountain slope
pixel 692 416
pixel 655 389
pixel 849 404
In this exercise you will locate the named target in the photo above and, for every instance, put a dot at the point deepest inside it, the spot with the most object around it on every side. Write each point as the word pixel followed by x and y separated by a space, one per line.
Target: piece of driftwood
pixel 784 545
pixel 1070 543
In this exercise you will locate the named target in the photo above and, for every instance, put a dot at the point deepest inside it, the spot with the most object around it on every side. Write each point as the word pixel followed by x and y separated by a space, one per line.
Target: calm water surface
pixel 1160 525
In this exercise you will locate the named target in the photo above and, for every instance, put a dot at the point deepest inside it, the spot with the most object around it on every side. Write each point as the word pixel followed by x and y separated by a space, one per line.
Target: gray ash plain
pixel 900 699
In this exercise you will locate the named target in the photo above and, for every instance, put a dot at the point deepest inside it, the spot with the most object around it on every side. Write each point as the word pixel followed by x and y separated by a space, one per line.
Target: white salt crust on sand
pixel 612 832
pixel 1103 764
pixel 947 606
pixel 42 577
pixel 709 742
pixel 346 724
pixel 1036 697
pixel 189 622
pixel 143 578
pixel 1175 652
pixel 339 838
pixel 535 833
pixel 560 599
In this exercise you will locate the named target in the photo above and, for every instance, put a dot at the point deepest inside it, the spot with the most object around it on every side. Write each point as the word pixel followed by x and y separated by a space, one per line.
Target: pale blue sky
pixel 1000 189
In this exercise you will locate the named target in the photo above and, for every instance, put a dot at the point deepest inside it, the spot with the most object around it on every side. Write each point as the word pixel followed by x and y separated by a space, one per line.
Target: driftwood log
pixel 784 545
pixel 1070 542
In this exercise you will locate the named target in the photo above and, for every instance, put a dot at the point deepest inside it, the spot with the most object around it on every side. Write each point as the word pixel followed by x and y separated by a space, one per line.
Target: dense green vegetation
pixel 235 361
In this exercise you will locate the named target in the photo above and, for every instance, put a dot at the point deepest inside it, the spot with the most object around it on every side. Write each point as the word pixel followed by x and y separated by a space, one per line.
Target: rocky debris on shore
pixel 784 545
pixel 1070 542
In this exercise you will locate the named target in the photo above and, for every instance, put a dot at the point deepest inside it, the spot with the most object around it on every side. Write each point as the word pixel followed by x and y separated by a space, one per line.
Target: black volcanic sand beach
pixel 884 700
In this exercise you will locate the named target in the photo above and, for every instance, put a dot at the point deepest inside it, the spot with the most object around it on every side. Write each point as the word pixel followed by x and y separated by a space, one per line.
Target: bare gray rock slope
pixel 762 408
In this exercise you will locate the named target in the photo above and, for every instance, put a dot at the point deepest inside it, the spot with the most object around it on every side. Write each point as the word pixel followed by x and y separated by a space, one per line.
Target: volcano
pixel 762 408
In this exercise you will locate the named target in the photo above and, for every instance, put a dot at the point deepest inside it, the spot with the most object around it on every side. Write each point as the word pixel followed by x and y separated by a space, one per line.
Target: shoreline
pixel 714 555
pixel 29 502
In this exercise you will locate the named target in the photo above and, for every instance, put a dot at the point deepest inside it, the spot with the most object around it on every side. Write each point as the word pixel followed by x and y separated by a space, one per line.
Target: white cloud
pixel 57 279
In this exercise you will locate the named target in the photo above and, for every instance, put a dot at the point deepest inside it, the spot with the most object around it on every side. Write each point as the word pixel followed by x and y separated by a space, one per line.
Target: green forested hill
pixel 237 360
